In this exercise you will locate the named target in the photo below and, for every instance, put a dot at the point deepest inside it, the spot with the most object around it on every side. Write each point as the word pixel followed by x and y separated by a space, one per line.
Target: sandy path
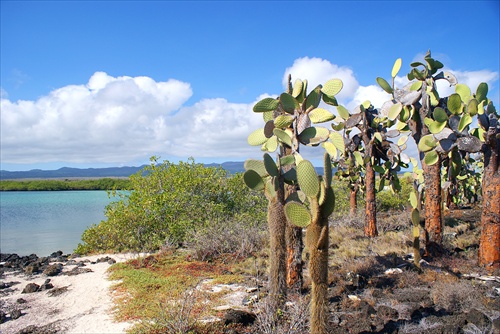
pixel 86 306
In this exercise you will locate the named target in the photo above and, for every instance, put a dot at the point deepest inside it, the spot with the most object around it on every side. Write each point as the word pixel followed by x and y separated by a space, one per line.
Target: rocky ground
pixel 386 293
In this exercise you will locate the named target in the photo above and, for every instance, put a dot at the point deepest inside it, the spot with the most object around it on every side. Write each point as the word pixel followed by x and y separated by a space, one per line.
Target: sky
pixel 112 83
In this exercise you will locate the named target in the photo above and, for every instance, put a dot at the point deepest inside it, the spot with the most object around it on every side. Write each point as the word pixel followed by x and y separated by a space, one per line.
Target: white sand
pixel 86 306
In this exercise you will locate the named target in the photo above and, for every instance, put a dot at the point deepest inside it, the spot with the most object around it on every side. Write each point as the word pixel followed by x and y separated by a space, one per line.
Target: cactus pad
pixel 266 104
pixel 270 187
pixel 268 129
pixel 320 115
pixel 283 136
pixel 322 192
pixel 328 204
pixel 314 98
pixel 257 138
pixel 314 135
pixel 253 180
pixel 308 178
pixel 431 158
pixel 297 214
pixel 289 103
pixel 256 165
pixel 455 104
pixel 290 176
pixel 327 161
pixel 332 87
pixel 283 121
pixel 297 88
pixel 270 165
pixel 270 145
pixel 426 143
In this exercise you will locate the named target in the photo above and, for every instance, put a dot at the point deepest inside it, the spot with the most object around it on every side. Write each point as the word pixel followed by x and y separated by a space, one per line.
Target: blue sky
pixel 96 84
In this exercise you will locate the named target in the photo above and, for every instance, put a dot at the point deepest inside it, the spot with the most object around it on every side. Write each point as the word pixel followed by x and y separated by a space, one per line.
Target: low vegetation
pixel 68 184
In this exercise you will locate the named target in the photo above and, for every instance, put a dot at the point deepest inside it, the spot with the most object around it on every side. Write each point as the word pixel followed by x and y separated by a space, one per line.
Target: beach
pixel 78 299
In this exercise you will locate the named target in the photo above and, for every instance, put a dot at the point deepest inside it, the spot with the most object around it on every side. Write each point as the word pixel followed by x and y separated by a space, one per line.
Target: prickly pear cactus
pixel 290 121
pixel 439 126
pixel 313 214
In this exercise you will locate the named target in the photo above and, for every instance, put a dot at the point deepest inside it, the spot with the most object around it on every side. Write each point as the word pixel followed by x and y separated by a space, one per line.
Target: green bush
pixel 388 200
pixel 168 202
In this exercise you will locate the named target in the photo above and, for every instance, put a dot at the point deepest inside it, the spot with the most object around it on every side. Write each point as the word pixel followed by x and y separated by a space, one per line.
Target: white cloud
pixel 470 78
pixel 213 128
pixel 124 119
pixel 376 95
pixel 318 71
pixel 108 120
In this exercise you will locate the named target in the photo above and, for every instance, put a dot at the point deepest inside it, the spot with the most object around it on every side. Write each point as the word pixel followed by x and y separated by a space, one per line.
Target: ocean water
pixel 43 222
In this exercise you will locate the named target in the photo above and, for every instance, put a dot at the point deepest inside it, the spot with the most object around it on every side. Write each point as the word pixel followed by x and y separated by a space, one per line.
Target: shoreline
pixel 59 294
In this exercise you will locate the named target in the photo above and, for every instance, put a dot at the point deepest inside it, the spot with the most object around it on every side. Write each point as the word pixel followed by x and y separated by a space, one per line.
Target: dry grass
pixel 457 296
pixel 291 320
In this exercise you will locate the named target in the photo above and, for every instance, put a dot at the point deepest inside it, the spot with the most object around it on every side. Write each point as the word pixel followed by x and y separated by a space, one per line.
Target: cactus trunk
pixel 353 201
pixel 294 242
pixel 489 244
pixel 277 255
pixel 433 212
pixel 294 277
pixel 317 239
pixel 371 205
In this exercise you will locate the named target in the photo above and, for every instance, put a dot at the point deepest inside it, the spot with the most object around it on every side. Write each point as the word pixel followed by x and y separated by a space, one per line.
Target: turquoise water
pixel 43 222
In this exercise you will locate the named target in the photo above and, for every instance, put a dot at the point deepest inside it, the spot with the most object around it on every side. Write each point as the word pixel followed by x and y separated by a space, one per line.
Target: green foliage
pixel 387 199
pixel 167 202
pixel 68 184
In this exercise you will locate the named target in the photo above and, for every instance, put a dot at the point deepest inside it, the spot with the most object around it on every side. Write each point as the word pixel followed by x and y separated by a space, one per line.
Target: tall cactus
pixel 416 202
pixel 264 175
pixel 312 213
pixel 438 125
pixel 369 151
pixel 489 134
pixel 289 123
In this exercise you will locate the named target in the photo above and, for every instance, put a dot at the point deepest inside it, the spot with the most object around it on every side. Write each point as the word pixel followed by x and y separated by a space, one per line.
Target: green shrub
pixel 167 202
pixel 388 200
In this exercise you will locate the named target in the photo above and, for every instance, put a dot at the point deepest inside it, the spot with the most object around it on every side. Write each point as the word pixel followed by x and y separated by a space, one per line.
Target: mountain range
pixel 68 172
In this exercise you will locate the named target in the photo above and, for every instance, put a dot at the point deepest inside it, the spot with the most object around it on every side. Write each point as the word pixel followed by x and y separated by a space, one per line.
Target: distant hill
pixel 67 172
pixel 232 167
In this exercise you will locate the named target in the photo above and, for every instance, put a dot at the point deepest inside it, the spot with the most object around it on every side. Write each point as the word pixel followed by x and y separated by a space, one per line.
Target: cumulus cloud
pixel 117 120
pixel 107 120
pixel 213 128
pixel 376 95
pixel 318 71
pixel 470 78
